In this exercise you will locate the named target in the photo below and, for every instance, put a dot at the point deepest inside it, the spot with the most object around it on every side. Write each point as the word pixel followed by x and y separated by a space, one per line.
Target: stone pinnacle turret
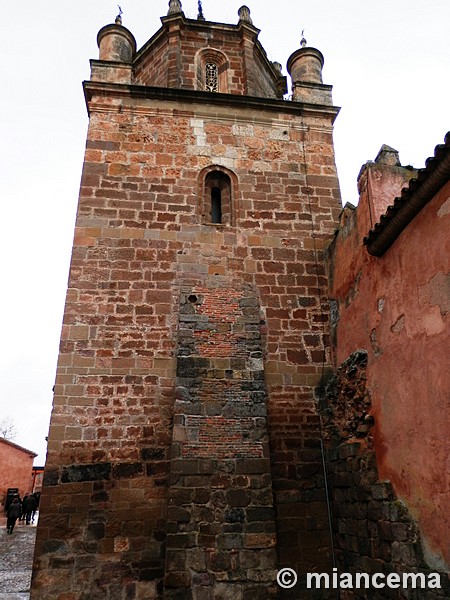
pixel 244 15
pixel 305 68
pixel 174 7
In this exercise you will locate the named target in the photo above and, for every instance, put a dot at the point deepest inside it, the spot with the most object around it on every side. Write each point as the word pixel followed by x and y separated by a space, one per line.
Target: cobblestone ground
pixel 16 559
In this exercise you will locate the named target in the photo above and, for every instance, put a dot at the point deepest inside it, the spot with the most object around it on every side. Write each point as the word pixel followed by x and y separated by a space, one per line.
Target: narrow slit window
pixel 211 77
pixel 216 205
pixel 216 198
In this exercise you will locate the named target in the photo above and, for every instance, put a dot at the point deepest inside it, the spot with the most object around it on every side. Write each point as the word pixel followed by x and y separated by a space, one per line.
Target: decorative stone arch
pixel 217 196
pixel 212 68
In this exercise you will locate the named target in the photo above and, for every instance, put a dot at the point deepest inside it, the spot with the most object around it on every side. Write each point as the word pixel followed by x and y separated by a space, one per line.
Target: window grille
pixel 211 77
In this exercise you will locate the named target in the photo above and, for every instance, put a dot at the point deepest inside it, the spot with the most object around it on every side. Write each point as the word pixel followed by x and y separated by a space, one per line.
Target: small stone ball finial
pixel 244 15
pixel 174 7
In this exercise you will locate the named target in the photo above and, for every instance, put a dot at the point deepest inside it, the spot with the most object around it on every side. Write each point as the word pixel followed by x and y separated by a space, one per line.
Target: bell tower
pixel 184 447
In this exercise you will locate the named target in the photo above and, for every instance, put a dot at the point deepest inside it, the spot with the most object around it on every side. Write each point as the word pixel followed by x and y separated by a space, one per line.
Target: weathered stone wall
pixel 139 242
pixel 373 530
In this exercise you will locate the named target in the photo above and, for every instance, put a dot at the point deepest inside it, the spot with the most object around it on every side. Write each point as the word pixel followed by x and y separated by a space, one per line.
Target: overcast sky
pixel 387 60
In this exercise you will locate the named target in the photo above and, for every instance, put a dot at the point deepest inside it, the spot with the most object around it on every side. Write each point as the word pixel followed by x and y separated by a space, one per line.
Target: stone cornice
pixel 92 88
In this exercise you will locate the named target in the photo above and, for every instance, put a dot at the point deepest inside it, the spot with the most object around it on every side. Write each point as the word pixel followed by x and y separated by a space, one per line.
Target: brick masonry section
pixel 220 524
pixel 176 57
pixel 374 531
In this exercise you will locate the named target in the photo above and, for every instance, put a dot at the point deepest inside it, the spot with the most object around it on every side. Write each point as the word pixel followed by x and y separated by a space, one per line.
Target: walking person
pixel 14 512
pixel 24 503
pixel 29 507
pixel 35 506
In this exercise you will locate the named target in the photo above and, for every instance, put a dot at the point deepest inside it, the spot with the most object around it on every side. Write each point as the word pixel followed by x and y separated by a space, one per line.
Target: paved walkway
pixel 16 559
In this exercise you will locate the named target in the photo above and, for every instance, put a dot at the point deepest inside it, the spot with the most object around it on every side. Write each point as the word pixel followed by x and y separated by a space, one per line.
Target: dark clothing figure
pixel 14 512
pixel 29 508
pixel 25 498
pixel 36 499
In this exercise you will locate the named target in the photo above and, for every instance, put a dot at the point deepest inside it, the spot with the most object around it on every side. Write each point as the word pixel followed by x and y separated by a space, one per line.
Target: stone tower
pixel 184 448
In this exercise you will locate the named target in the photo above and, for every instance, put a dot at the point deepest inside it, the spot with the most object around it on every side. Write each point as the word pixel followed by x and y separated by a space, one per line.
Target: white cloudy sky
pixel 387 60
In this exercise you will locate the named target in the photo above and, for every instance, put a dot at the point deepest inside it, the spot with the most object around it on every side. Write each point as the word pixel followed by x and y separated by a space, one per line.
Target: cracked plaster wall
pixel 396 307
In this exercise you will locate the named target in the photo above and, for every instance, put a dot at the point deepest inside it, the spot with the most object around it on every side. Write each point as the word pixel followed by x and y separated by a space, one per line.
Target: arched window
pixel 212 69
pixel 217 197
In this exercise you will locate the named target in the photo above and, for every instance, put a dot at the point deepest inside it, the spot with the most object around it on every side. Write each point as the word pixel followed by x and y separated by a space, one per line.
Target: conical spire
pixel 174 7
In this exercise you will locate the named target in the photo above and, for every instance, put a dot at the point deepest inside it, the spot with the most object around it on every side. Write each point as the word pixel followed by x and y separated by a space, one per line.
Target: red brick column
pixel 220 522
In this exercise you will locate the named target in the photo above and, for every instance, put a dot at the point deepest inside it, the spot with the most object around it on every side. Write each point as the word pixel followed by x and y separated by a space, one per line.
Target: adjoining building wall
pixel 16 465
pixel 395 307
pixel 374 531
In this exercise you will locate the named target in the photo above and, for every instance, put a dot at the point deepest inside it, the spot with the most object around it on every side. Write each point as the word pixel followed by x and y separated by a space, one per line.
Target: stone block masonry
pixel 185 452
pixel 141 250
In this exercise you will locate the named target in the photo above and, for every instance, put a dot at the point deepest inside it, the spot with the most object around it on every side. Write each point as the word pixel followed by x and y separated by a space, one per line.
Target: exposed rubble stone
pixel 373 530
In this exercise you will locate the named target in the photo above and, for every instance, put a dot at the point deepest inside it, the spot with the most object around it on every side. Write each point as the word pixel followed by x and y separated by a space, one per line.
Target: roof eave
pixel 17 447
